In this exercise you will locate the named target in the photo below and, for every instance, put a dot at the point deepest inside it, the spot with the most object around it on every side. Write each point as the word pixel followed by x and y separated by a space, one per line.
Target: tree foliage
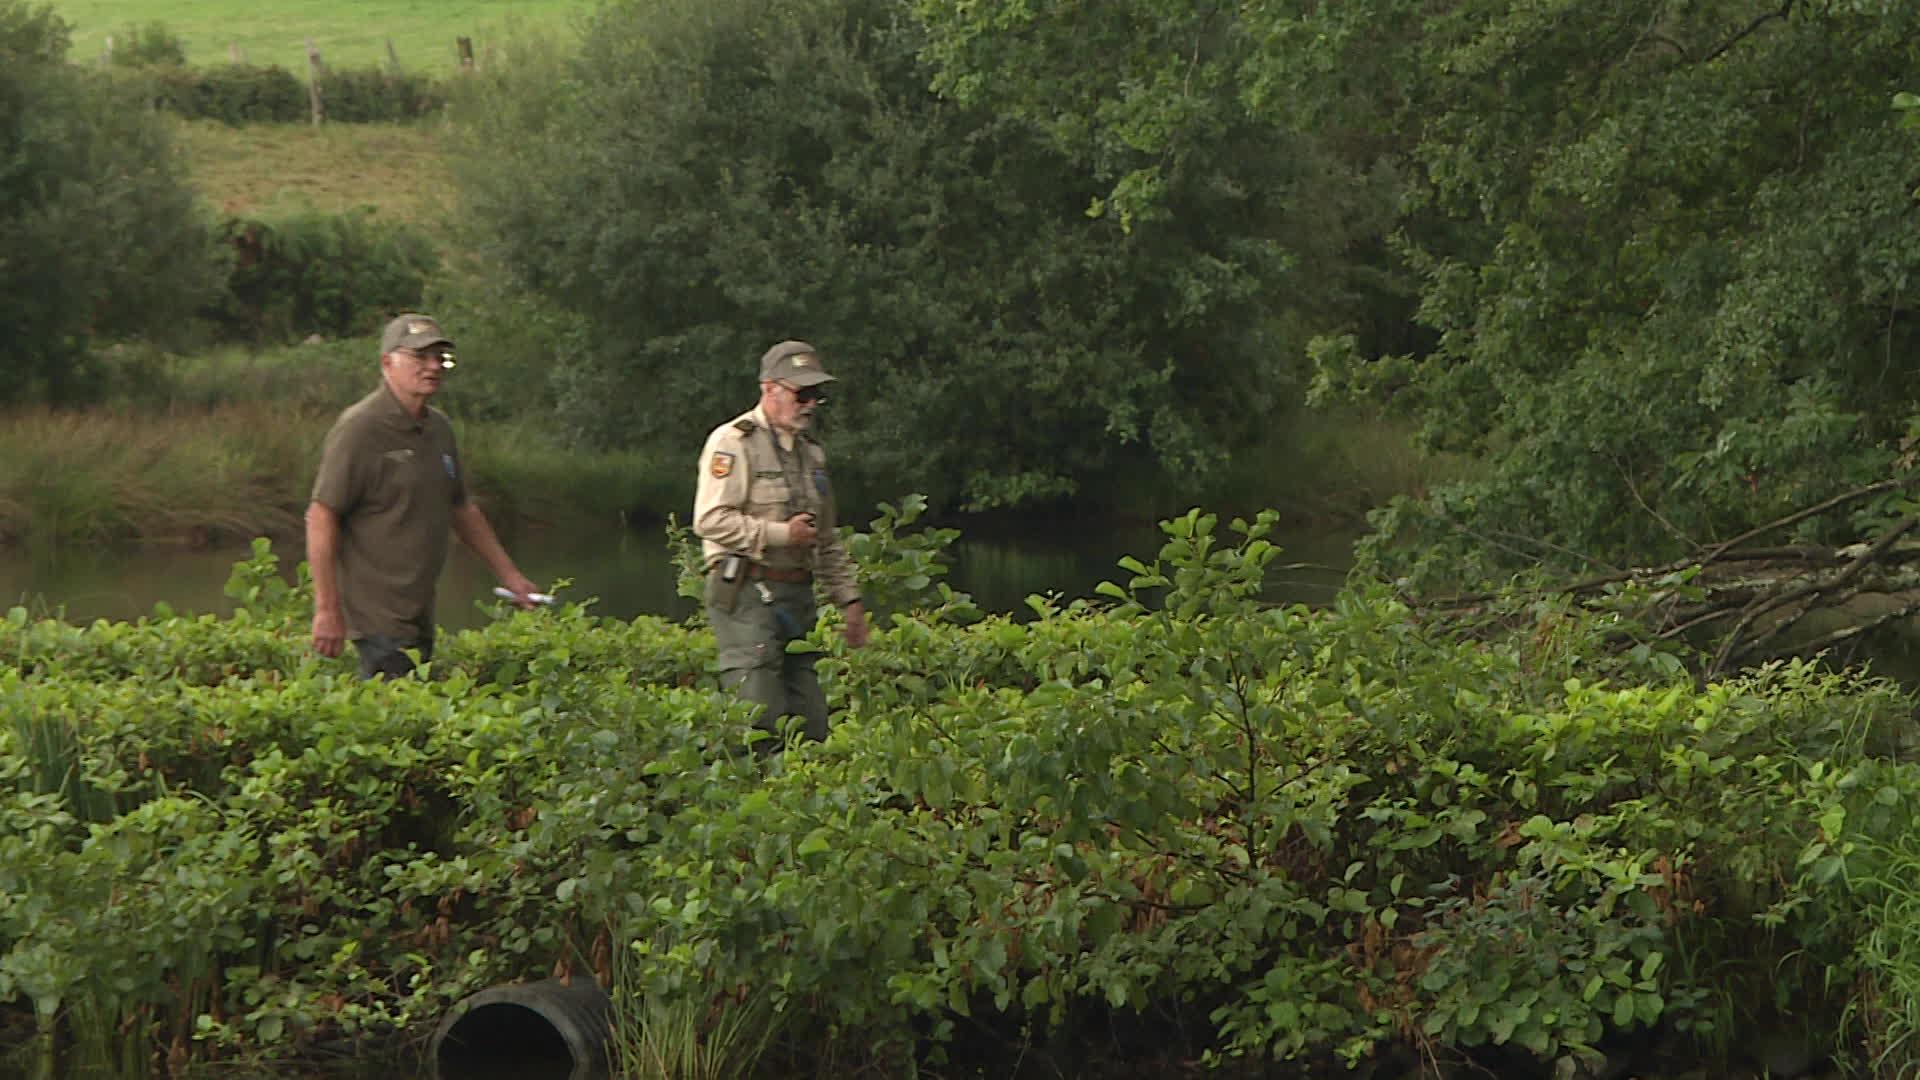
pixel 1664 249
pixel 710 178
pixel 1680 299
pixel 98 231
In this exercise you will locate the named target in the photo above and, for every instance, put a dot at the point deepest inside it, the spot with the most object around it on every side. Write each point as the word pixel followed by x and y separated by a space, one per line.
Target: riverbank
pixel 186 467
pixel 200 475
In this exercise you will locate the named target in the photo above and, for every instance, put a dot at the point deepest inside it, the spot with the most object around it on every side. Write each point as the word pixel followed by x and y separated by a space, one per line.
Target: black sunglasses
pixel 812 395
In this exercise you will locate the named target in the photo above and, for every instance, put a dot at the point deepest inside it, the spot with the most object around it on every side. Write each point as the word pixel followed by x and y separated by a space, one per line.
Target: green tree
pixel 711 177
pixel 1680 294
pixel 1664 248
pixel 99 235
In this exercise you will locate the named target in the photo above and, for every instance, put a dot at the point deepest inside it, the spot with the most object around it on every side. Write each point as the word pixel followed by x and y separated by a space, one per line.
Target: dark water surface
pixel 630 571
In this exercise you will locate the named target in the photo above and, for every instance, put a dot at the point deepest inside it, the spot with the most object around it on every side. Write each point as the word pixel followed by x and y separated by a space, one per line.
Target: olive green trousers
pixel 751 633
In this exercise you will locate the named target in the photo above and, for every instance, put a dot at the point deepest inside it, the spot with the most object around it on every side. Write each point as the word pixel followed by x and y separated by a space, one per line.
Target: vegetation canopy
pixel 1664 251
pixel 707 179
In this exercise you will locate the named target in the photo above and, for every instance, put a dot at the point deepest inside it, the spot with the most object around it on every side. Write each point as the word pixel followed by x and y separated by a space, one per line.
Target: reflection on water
pixel 630 571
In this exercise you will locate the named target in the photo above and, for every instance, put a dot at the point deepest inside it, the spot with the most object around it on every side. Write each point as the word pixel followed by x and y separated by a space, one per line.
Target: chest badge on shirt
pixel 721 466
pixel 446 462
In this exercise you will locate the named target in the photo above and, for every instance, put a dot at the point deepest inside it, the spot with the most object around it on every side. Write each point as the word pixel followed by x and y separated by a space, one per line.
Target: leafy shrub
pixel 1272 834
pixel 254 94
pixel 330 274
pixel 151 45
pixel 372 95
pixel 232 93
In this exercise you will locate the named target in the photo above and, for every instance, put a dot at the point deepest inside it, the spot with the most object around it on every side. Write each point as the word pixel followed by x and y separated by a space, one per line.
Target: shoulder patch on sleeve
pixel 721 466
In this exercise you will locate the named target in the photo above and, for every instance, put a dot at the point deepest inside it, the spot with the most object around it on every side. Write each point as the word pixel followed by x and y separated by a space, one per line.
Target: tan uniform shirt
pixel 393 481
pixel 751 482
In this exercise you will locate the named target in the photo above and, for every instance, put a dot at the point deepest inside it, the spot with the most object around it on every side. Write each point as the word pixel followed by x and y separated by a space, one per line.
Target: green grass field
pixel 348 33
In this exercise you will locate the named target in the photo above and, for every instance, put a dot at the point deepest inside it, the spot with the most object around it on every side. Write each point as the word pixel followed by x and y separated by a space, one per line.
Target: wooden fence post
pixel 106 50
pixel 236 54
pixel 465 45
pixel 393 58
pixel 315 69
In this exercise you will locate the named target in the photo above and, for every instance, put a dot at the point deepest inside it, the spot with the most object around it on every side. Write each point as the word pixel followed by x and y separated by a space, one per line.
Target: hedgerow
pixel 1241 833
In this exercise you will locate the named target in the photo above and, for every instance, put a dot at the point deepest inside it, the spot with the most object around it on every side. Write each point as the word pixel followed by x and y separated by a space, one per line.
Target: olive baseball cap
pixel 412 332
pixel 794 362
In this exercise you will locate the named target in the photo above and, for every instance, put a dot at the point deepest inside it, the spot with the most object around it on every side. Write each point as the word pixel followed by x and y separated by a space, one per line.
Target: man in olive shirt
pixel 389 489
pixel 764 513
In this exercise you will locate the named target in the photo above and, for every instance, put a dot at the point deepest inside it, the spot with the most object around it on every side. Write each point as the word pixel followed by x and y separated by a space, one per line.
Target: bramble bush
pixel 1238 832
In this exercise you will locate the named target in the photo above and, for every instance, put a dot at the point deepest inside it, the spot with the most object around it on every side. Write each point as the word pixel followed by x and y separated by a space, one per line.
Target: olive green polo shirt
pixel 393 481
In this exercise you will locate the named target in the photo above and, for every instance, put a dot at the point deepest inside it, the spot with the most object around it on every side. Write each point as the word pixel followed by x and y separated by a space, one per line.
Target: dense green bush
pixel 1233 830
pixel 99 234
pixel 331 274
pixel 148 45
pixel 231 93
pixel 253 94
pixel 372 95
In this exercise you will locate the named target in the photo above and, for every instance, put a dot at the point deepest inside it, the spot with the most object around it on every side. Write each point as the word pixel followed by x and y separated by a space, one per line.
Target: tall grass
pixel 398 169
pixel 182 474
pixel 691 1035
pixel 525 475
pixel 1890 954
pixel 223 444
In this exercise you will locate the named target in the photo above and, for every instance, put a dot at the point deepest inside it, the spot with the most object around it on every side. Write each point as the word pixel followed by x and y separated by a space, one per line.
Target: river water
pixel 630 572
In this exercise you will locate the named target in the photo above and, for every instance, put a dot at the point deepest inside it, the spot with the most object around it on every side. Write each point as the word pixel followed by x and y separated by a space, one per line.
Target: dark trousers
pixel 386 657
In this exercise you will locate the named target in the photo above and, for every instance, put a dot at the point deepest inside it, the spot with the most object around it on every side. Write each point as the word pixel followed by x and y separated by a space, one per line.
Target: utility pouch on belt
pixel 729 576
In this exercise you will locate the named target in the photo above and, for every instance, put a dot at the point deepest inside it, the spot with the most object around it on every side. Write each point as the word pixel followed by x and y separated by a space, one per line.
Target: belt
pixel 795 576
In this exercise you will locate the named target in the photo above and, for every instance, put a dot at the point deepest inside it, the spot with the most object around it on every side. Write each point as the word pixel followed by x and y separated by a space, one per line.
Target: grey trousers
pixel 751 635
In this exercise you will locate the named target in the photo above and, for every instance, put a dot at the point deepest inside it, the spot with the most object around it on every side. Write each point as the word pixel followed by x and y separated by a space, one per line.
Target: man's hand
pixel 856 613
pixel 801 531
pixel 329 631
pixel 522 590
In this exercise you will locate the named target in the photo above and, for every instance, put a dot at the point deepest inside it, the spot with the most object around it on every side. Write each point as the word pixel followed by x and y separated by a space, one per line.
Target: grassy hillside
pixel 395 168
pixel 349 33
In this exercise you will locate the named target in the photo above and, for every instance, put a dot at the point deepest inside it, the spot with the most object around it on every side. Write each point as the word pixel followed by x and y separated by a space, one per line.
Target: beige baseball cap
pixel 794 362
pixel 412 332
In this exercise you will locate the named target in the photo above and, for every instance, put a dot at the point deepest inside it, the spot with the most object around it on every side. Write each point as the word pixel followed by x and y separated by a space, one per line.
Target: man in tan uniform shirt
pixel 764 513
pixel 389 489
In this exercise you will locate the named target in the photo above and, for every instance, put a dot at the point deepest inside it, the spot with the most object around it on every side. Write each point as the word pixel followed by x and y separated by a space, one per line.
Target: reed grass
pixel 524 475
pixel 223 445
pixel 691 1036
pixel 1890 952
pixel 181 474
